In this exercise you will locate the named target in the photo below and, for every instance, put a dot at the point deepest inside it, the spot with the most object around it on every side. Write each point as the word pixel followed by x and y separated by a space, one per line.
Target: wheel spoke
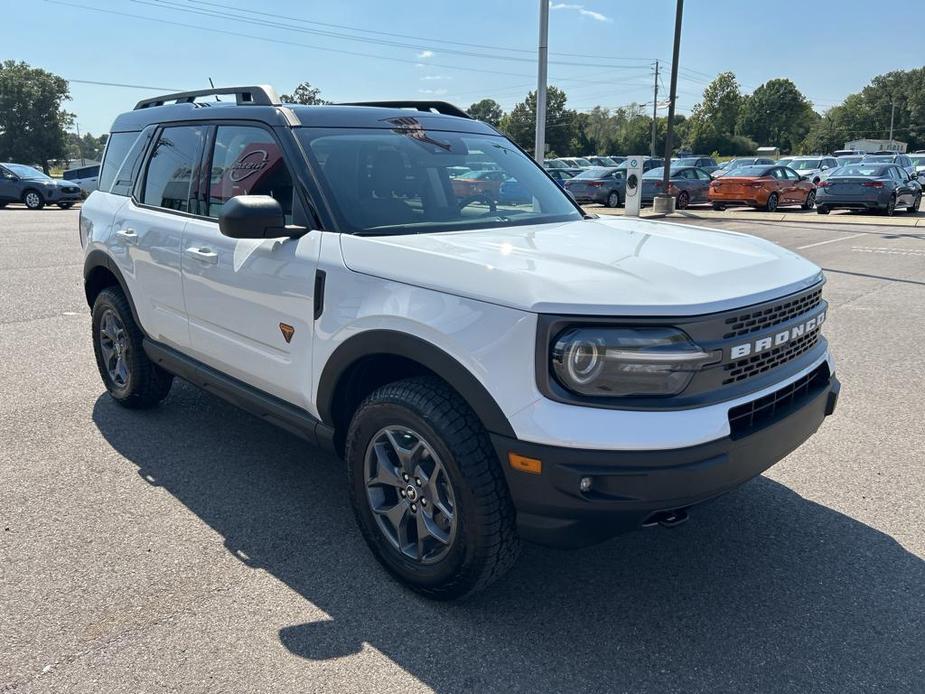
pixel 386 473
pixel 426 520
pixel 407 457
pixel 122 370
pixel 397 516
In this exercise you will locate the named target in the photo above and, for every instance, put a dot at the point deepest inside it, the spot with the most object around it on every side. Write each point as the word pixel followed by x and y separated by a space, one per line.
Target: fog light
pixel 585 484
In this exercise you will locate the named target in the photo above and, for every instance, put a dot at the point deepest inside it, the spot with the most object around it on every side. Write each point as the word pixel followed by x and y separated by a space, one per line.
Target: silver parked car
pixel 689 184
pixel 869 186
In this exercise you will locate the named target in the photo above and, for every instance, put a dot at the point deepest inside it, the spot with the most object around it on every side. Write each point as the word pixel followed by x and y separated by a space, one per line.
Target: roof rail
pixel 257 95
pixel 441 107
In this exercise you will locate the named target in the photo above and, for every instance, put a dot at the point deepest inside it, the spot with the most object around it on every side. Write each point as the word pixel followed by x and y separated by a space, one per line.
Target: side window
pixel 172 167
pixel 247 161
pixel 779 174
pixel 127 173
pixel 791 174
pixel 117 147
pixel 703 175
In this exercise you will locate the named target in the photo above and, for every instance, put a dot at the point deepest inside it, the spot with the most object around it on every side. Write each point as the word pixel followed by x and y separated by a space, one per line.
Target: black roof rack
pixel 442 107
pixel 257 95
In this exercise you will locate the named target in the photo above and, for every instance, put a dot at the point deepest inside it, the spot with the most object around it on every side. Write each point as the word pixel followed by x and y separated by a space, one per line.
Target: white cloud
pixel 580 9
pixel 424 55
pixel 433 92
pixel 434 78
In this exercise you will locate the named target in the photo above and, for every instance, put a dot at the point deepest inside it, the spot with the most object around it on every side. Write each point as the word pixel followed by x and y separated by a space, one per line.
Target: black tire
pixel 822 209
pixel 613 199
pixel 719 207
pixel 33 199
pixel 915 204
pixel 2 205
pixel 810 201
pixel 771 204
pixel 485 543
pixel 146 384
pixel 65 205
pixel 890 208
pixel 683 200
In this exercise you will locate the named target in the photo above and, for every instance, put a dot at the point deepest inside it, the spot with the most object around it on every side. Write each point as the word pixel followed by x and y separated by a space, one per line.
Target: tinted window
pixel 751 171
pixel 396 181
pixel 247 161
pixel 172 167
pixel 595 172
pixel 127 171
pixel 117 146
pixel 791 174
pixel 703 175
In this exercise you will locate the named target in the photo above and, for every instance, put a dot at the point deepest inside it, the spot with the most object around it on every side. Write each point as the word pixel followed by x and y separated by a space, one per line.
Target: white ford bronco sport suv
pixel 491 370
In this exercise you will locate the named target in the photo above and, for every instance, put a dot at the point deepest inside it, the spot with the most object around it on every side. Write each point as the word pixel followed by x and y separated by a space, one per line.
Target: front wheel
pixel 427 490
pixel 613 200
pixel 771 204
pixel 131 378
pixel 890 208
pixel 33 200
pixel 915 204
pixel 822 209
pixel 810 201
pixel 718 207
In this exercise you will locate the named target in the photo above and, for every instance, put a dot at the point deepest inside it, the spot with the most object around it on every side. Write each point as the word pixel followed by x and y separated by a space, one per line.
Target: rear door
pixel 701 186
pixel 904 194
pixel 250 301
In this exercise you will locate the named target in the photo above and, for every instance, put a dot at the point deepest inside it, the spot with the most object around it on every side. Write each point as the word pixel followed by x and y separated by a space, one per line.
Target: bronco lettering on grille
pixel 777 339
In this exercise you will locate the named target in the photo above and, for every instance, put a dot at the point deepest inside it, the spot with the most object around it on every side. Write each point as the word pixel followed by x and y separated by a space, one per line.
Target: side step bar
pixel 263 405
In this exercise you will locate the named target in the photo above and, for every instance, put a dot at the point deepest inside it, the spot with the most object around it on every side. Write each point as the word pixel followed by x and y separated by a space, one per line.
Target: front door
pixel 9 190
pixel 250 301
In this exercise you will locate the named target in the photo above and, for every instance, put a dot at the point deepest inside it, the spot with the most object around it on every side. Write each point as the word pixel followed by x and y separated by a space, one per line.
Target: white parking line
pixel 822 243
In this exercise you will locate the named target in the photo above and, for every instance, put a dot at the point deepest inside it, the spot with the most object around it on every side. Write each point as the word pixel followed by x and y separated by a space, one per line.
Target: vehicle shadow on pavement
pixel 762 591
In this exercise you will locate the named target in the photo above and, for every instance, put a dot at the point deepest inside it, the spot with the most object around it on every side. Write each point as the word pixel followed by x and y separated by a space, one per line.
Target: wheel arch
pixel 376 357
pixel 101 272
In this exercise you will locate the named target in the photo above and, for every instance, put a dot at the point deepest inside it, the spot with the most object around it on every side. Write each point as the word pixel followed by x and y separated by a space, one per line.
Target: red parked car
pixel 764 187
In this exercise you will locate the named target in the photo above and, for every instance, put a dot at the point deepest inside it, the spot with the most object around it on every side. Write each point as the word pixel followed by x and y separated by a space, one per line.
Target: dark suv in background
pixel 21 183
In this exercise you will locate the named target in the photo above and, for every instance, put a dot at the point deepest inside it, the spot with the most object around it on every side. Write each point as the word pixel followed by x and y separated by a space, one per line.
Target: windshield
pixel 842 161
pixel 595 172
pixel 918 160
pixel 783 162
pixel 804 164
pixel 555 164
pixel 28 172
pixel 398 181
pixel 750 170
pixel 879 157
pixel 685 162
pixel 583 162
pixel 872 170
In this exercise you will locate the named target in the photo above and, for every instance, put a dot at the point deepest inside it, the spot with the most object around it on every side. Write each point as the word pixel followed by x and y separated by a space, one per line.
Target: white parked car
pixel 490 371
pixel 814 168
pixel 85 177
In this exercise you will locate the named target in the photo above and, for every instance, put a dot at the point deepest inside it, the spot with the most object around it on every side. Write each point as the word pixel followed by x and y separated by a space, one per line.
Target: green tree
pixel 487 110
pixel 560 123
pixel 32 123
pixel 304 94
pixel 777 114
pixel 713 121
pixel 85 147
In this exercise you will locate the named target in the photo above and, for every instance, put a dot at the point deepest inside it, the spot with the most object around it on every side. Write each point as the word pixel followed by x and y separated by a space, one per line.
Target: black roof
pixel 260 104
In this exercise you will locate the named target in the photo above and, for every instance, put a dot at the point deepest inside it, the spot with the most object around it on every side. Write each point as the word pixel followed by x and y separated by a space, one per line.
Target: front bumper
pixel 629 489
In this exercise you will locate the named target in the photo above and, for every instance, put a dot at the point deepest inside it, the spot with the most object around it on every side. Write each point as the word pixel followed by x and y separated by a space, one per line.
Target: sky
pixel 601 51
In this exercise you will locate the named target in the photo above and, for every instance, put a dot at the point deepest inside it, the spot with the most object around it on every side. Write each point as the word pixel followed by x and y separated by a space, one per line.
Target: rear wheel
pixel 915 204
pixel 890 208
pixel 613 199
pixel 131 378
pixel 810 201
pixel 427 490
pixel 683 200
pixel 33 200
pixel 771 204
pixel 718 207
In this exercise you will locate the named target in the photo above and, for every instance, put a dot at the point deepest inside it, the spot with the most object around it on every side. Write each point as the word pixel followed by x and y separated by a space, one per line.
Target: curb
pixel 793 217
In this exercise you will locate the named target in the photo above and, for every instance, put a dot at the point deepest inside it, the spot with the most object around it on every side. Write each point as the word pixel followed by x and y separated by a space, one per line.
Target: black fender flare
pixel 99 259
pixel 428 355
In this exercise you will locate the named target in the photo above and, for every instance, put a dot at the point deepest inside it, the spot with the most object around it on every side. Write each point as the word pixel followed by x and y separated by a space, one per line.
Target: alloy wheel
pixel 114 347
pixel 683 200
pixel 410 494
pixel 772 202
pixel 33 200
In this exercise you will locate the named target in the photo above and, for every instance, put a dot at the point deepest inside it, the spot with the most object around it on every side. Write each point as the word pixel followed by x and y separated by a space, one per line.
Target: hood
pixel 590 267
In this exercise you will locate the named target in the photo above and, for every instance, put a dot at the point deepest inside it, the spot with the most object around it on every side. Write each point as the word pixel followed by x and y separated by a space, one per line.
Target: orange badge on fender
pixel 288 331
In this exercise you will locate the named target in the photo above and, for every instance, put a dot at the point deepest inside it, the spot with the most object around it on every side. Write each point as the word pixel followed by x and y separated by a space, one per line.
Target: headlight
pixel 621 362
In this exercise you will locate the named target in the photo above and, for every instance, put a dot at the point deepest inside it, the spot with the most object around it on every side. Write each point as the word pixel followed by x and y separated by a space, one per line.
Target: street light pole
pixel 654 113
pixel 892 114
pixel 664 203
pixel 540 151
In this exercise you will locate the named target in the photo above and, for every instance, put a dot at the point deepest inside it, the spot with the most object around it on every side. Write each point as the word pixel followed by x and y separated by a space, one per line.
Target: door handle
pixel 128 236
pixel 204 255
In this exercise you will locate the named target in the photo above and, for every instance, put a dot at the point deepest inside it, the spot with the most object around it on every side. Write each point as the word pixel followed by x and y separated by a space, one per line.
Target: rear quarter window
pixel 117 147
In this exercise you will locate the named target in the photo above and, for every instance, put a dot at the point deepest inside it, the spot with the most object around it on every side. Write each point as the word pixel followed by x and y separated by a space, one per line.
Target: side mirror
pixel 252 217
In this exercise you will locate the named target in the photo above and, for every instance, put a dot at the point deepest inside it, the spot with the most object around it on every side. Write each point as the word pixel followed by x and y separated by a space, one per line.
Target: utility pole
pixel 80 144
pixel 540 151
pixel 664 203
pixel 892 114
pixel 654 113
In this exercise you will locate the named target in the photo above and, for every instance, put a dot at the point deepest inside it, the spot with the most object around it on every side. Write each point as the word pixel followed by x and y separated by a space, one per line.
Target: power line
pixel 129 86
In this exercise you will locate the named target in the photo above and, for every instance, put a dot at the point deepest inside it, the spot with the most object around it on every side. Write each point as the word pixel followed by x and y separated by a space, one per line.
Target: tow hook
pixel 667 519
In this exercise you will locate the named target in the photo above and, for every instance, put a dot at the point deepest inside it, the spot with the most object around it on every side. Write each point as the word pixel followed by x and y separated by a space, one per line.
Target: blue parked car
pixel 869 186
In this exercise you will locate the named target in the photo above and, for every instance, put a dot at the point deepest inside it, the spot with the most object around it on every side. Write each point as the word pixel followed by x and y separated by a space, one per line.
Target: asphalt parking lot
pixel 194 548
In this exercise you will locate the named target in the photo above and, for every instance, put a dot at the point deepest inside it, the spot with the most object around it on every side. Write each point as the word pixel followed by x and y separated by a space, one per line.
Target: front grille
pixel 763 318
pixel 765 361
pixel 745 418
